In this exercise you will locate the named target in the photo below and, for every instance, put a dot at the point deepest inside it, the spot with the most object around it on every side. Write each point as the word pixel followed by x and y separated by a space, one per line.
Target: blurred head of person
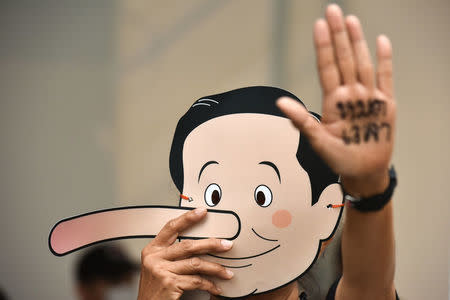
pixel 2 294
pixel 105 273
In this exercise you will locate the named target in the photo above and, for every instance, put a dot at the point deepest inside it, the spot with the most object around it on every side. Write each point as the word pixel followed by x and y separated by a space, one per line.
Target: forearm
pixel 368 248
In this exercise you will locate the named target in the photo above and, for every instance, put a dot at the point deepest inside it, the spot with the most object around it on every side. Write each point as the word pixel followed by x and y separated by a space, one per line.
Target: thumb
pixel 299 116
pixel 325 144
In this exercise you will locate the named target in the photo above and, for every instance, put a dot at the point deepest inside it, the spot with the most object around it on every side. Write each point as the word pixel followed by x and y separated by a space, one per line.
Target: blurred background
pixel 91 91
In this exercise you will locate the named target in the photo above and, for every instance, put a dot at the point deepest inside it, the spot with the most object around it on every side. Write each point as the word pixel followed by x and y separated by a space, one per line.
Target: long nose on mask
pixel 77 232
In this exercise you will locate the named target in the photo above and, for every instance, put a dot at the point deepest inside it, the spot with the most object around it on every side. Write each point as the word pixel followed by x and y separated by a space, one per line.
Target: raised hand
pixel 169 268
pixel 356 133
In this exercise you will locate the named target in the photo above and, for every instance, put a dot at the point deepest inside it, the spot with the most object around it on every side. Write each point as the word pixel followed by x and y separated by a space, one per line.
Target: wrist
pixel 368 185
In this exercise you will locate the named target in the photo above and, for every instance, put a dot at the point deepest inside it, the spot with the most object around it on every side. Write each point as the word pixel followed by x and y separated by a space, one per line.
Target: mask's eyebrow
pixel 271 164
pixel 204 166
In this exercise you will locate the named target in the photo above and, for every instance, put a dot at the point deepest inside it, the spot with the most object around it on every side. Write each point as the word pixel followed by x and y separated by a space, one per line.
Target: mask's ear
pixel 328 217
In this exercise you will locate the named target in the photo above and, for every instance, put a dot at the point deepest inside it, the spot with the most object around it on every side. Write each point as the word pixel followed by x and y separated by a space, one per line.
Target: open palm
pixel 356 133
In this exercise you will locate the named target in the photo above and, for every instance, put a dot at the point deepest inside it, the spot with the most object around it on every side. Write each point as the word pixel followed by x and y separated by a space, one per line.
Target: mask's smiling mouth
pixel 246 257
pixel 270 240
pixel 252 256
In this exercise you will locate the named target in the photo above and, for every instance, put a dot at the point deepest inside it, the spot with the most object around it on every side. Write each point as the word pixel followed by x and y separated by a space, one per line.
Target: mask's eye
pixel 213 194
pixel 263 195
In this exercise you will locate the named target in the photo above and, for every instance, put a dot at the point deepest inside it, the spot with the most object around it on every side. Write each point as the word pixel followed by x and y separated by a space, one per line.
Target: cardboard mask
pixel 236 154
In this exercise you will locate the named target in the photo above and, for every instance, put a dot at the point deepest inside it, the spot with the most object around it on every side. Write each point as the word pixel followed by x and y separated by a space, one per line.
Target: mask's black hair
pixel 258 100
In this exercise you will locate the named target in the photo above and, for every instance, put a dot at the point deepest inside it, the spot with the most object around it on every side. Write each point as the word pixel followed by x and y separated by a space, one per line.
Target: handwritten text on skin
pixel 364 131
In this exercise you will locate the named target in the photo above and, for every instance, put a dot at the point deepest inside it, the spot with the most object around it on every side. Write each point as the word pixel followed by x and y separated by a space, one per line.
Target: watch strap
pixel 376 202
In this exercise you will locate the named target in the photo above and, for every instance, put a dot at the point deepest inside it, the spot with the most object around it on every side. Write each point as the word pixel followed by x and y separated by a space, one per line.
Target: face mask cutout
pixel 237 155
pixel 257 175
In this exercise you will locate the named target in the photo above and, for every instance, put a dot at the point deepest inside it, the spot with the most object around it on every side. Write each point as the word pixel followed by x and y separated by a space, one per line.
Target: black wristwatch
pixel 376 202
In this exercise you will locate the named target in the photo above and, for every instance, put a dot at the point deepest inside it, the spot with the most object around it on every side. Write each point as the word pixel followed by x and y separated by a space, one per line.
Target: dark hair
pixel 106 262
pixel 256 99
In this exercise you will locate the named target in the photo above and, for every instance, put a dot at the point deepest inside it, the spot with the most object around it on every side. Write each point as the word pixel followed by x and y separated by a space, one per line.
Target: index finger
pixel 328 71
pixel 170 232
pixel 342 46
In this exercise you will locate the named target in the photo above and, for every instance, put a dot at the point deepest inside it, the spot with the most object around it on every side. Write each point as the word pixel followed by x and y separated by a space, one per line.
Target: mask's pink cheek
pixel 281 218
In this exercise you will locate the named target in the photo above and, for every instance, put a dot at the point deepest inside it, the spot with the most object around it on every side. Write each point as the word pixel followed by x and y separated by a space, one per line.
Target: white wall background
pixel 56 108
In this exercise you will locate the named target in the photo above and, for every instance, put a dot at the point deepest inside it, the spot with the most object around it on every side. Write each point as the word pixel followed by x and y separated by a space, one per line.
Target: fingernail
pixel 200 211
pixel 226 244
pixel 219 290
pixel 230 274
